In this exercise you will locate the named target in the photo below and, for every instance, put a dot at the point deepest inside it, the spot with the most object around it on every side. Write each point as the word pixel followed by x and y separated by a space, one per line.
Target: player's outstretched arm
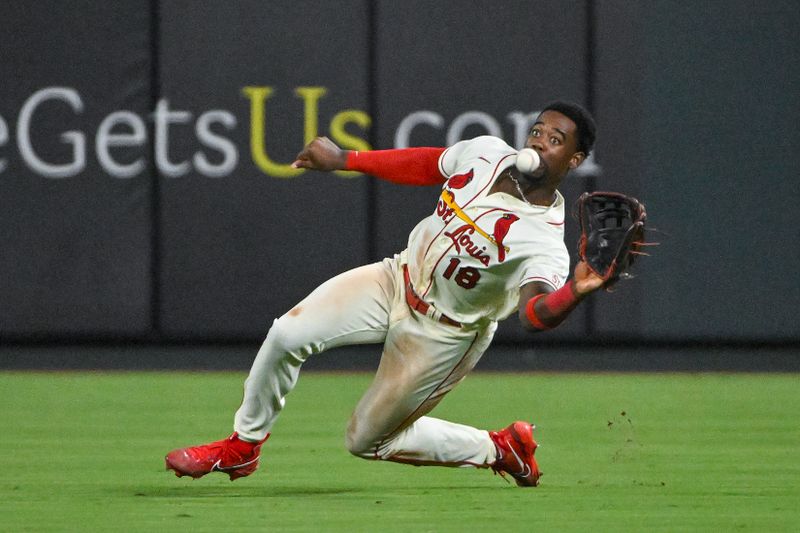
pixel 541 308
pixel 407 166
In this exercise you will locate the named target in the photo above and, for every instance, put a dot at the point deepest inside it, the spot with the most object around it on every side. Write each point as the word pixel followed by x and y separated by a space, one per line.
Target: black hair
pixel 582 119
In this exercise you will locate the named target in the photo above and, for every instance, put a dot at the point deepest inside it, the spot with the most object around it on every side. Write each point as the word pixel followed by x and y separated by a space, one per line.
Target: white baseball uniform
pixel 466 263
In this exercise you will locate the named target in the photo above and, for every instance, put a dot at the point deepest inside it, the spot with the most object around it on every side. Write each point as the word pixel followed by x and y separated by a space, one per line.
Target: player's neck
pixel 543 194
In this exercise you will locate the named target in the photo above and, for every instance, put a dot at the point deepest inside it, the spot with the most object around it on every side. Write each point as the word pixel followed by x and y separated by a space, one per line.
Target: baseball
pixel 527 160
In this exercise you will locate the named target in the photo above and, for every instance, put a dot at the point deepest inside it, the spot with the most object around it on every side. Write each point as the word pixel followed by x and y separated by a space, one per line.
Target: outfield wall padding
pixel 146 192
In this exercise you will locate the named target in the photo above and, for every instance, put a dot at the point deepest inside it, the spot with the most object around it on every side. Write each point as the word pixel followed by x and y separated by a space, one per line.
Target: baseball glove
pixel 612 233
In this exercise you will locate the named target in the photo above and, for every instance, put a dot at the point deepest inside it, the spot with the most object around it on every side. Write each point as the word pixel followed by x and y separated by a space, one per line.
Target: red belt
pixel 418 304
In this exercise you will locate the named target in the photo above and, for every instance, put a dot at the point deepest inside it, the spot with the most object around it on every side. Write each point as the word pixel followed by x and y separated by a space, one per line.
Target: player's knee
pixel 359 443
pixel 283 338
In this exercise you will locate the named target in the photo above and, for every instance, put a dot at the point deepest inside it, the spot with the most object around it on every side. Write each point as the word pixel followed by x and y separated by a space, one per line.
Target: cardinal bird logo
pixel 459 181
pixel 501 228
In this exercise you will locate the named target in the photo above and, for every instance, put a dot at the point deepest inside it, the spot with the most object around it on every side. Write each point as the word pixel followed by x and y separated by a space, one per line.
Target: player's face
pixel 554 137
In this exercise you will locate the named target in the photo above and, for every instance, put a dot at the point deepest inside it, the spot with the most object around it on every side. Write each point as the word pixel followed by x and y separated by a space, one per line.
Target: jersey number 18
pixel 466 277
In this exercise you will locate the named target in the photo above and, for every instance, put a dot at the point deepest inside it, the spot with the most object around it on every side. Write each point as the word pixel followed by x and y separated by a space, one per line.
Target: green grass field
pixel 622 452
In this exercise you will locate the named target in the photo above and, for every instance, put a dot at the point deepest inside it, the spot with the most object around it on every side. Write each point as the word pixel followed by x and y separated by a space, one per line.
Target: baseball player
pixel 493 245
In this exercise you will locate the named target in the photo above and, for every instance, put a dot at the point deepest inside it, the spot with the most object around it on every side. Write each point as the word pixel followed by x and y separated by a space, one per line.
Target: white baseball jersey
pixel 468 259
pixel 472 255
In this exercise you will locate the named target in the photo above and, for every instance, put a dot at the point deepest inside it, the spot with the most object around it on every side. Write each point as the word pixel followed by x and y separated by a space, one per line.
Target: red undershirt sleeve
pixel 554 308
pixel 406 166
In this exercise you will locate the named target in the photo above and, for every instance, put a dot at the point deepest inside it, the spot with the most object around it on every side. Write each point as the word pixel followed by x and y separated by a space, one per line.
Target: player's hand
pixel 586 281
pixel 321 154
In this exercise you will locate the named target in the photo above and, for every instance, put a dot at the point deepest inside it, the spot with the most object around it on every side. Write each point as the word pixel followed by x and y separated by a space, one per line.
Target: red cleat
pixel 515 449
pixel 233 456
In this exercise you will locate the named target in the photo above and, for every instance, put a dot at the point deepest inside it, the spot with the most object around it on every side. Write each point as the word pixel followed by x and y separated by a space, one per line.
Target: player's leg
pixel 421 363
pixel 417 369
pixel 352 308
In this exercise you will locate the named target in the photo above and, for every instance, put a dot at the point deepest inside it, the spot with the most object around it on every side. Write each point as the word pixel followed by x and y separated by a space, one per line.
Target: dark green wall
pixel 696 107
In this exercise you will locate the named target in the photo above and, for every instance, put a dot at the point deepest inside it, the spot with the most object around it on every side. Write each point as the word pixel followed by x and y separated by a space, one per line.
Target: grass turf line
pixel 628 452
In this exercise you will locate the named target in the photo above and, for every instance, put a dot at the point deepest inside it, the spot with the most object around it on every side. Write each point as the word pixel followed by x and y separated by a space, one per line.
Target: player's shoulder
pixel 539 229
pixel 488 143
pixel 487 149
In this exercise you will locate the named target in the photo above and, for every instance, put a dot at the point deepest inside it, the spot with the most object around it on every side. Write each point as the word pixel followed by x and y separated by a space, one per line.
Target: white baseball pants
pixel 422 361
